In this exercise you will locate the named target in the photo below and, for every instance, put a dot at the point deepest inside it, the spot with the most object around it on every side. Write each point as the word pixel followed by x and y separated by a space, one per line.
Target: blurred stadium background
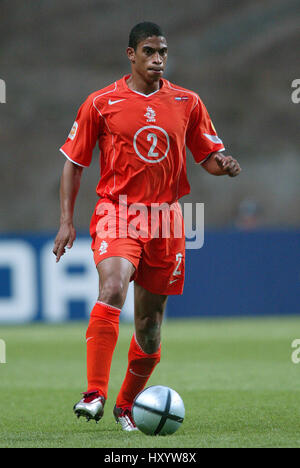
pixel 241 56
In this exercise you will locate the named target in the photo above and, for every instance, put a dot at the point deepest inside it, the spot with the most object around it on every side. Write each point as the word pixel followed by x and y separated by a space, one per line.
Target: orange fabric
pixel 102 335
pixel 159 262
pixel 140 368
pixel 142 140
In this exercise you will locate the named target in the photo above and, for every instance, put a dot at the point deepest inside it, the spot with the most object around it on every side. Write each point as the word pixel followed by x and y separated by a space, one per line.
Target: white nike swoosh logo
pixel 90 338
pixel 173 281
pixel 110 102
pixel 138 375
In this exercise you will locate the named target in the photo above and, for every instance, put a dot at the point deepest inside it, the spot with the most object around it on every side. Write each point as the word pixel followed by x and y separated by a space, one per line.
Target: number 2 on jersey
pixel 177 272
pixel 153 137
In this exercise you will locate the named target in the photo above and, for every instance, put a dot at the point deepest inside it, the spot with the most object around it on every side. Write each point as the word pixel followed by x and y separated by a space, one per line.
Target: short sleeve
pixel 84 134
pixel 202 138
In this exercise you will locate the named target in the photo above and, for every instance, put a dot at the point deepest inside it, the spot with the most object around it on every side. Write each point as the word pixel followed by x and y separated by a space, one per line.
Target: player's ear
pixel 131 54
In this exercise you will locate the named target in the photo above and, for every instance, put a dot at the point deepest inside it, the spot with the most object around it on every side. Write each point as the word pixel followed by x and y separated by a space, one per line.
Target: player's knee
pixel 151 326
pixel 113 292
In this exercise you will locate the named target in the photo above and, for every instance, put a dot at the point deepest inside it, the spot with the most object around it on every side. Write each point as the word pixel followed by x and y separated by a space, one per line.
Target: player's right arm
pixel 78 150
pixel 69 186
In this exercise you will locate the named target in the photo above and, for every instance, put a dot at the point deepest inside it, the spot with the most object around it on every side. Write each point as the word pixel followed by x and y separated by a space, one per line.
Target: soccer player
pixel 142 124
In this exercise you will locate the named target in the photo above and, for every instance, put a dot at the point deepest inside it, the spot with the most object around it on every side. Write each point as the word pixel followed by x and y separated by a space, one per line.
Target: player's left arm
pixel 217 164
pixel 206 146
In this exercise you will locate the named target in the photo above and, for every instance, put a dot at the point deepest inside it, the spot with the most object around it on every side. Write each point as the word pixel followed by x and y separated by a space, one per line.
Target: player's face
pixel 150 58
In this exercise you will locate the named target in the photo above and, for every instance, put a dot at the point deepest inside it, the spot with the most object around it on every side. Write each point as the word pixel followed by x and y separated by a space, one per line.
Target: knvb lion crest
pixel 103 247
pixel 150 114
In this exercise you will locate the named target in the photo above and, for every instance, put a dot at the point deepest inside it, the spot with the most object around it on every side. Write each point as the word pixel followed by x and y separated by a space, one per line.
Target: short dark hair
pixel 141 31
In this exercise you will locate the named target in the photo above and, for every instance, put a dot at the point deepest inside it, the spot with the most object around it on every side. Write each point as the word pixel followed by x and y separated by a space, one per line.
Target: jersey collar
pixel 125 78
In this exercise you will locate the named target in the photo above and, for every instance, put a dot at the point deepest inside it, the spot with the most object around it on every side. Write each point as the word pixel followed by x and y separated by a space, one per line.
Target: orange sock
pixel 140 368
pixel 101 338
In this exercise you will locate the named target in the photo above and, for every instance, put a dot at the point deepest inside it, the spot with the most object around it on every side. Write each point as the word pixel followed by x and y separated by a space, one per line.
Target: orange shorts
pixel 152 240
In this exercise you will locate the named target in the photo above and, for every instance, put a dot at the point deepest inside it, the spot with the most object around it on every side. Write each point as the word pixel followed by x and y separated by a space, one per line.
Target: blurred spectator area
pixel 241 56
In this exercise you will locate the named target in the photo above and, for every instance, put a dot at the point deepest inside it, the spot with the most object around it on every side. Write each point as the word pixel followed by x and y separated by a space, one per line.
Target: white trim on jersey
pixel 195 96
pixel 142 94
pixel 74 162
pixel 112 137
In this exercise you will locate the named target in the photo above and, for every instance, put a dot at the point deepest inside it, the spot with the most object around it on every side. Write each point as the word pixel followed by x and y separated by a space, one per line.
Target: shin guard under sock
pixel 140 368
pixel 101 338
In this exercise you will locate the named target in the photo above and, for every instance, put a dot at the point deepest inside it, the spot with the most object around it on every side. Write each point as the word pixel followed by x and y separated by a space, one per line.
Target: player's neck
pixel 136 83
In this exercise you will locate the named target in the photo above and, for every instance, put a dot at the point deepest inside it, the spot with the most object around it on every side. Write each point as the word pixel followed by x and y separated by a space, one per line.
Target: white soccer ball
pixel 158 410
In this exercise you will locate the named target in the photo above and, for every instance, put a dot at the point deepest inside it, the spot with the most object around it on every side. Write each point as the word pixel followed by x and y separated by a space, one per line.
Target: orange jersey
pixel 142 140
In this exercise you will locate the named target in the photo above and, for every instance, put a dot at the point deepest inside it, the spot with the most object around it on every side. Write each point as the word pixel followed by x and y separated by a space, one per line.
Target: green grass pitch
pixel 236 377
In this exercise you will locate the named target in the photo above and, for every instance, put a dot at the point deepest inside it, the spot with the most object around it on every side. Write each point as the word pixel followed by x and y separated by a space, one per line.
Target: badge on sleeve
pixel 73 131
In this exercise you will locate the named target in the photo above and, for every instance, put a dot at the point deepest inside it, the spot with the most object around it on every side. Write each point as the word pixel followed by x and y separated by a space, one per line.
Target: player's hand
pixel 65 238
pixel 229 165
